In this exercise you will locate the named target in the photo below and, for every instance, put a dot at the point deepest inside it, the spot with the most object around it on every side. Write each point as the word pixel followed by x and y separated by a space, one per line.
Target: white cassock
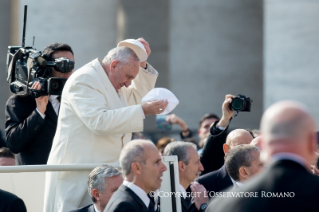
pixel 94 124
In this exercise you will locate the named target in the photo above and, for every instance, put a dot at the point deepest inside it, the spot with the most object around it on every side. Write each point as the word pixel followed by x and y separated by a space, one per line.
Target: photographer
pixel 31 122
pixel 213 153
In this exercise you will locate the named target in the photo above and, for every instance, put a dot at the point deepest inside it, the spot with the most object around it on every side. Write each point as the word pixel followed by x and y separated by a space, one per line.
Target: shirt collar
pixel 239 184
pixel 138 191
pixel 183 191
pixel 290 156
pixel 53 97
pixel 233 181
pixel 95 208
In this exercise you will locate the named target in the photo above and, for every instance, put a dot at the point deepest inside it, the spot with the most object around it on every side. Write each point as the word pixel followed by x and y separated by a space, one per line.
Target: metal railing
pixel 50 168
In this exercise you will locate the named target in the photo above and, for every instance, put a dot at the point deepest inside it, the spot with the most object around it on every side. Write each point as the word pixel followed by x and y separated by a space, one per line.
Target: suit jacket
pixel 88 208
pixel 212 156
pixel 216 180
pixel 95 122
pixel 3 142
pixel 11 203
pixel 27 133
pixel 124 199
pixel 186 203
pixel 283 177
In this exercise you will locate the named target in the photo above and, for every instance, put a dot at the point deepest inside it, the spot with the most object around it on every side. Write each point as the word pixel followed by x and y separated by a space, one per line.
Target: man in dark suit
pixel 103 182
pixel 31 123
pixel 143 168
pixel 289 142
pixel 243 162
pixel 219 180
pixel 11 203
pixel 189 167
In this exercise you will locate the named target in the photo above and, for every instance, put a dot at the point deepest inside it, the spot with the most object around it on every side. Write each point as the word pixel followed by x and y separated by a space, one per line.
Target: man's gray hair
pixel 98 177
pixel 122 54
pixel 133 152
pixel 237 157
pixel 179 148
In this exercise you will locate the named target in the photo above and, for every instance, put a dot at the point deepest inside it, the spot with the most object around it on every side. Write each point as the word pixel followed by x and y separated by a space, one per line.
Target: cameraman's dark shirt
pixel 27 133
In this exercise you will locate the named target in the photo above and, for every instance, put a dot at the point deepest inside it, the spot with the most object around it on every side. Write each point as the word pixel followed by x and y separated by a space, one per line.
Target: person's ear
pixel 312 144
pixel 226 148
pixel 96 194
pixel 114 64
pixel 136 168
pixel 243 172
pixel 181 166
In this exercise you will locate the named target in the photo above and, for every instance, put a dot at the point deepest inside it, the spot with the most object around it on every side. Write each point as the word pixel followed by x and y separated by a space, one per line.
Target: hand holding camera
pixel 227 112
pixel 231 104
pixel 41 101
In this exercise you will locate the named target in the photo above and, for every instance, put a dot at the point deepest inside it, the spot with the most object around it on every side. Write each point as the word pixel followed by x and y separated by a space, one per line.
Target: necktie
pixel 59 99
pixel 151 207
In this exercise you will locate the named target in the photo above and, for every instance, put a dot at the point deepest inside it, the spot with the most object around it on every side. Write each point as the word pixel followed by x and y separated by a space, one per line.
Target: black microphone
pixel 41 61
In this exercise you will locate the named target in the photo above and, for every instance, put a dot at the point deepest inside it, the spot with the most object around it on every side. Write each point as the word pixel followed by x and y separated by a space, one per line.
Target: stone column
pixel 89 27
pixel 216 49
pixel 5 41
pixel 150 20
pixel 291 50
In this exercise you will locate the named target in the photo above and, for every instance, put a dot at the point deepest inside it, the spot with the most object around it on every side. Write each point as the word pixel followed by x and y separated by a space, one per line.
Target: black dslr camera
pixel 240 103
pixel 25 66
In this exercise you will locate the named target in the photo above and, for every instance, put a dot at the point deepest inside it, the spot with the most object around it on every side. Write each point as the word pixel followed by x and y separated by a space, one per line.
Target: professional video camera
pixel 25 65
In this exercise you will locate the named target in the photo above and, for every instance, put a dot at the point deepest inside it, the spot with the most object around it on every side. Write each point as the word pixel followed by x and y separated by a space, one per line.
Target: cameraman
pixel 31 123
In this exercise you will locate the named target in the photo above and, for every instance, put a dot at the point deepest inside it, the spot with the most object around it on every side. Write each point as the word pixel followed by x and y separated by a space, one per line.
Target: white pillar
pixel 291 52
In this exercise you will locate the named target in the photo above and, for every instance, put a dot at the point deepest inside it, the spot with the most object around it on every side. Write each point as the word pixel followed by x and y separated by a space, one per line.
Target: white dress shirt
pixel 55 103
pixel 239 184
pixel 95 208
pixel 183 191
pixel 138 191
pixel 233 181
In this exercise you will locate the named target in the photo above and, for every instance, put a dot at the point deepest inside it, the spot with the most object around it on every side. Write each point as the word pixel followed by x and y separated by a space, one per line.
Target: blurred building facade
pixel 202 49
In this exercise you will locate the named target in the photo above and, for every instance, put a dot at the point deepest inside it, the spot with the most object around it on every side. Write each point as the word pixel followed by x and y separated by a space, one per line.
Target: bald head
pixel 286 119
pixel 256 142
pixel 288 127
pixel 237 137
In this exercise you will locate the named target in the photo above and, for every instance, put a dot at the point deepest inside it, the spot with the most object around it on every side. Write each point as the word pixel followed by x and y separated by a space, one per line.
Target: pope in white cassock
pixel 100 108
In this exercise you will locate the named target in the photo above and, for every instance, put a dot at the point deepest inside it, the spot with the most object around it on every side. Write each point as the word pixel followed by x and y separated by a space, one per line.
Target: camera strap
pixel 235 114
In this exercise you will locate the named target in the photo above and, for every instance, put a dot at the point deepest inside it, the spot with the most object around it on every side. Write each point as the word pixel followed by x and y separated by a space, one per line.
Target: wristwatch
pixel 203 207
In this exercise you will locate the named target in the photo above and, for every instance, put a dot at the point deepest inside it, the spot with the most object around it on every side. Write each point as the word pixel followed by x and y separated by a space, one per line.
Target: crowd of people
pixel 93 121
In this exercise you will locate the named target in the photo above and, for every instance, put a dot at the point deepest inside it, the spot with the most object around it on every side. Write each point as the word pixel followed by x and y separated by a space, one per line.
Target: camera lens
pixel 237 104
pixel 55 85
